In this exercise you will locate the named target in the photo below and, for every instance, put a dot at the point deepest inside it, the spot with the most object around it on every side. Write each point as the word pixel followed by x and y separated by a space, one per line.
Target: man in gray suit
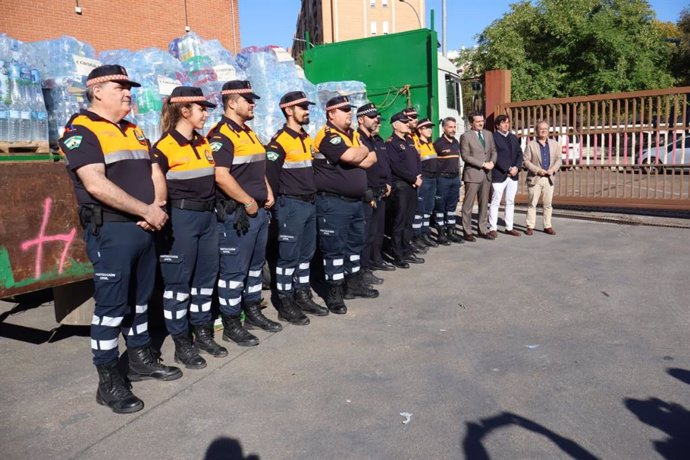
pixel 478 151
pixel 542 159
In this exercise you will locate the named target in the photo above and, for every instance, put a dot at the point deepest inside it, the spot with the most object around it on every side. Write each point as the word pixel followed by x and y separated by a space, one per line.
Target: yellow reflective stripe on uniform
pixel 253 158
pixel 190 174
pixel 297 164
pixel 120 155
pixel 427 151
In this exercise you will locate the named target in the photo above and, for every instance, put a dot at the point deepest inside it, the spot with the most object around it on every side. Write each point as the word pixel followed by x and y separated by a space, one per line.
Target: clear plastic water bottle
pixel 40 126
pixel 4 83
pixel 4 122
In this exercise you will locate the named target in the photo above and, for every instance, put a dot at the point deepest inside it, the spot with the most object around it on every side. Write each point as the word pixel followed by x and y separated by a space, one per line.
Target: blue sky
pixel 272 22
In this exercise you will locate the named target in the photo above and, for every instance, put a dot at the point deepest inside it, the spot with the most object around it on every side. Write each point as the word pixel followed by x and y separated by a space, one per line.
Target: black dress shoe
pixel 400 263
pixel 413 259
pixel 487 236
pixel 383 266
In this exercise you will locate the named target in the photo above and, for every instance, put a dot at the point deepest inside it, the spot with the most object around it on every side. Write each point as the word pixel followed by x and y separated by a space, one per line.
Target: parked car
pixel 665 153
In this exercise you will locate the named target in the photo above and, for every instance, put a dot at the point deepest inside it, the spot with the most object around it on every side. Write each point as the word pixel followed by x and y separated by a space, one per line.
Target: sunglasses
pixel 346 109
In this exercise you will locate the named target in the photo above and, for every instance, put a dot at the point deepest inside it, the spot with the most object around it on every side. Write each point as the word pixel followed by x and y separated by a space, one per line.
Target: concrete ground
pixel 573 346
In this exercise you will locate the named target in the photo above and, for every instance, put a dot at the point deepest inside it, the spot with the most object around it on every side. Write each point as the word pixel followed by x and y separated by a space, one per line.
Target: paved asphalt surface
pixel 573 346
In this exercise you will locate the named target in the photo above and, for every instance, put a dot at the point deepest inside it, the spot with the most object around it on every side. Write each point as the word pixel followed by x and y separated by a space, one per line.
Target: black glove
pixel 241 220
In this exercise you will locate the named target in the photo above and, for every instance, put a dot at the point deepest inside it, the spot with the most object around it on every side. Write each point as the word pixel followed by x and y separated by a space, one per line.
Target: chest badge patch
pixel 139 134
pixel 73 142
pixel 215 146
pixel 336 140
pixel 273 156
pixel 208 155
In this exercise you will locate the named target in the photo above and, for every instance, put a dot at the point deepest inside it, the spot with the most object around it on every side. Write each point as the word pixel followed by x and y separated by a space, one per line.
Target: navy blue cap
pixel 189 94
pixel 241 87
pixel 110 72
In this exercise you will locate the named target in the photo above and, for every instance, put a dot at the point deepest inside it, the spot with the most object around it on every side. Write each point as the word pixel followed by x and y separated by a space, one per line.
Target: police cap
pixel 338 102
pixel 411 112
pixel 295 98
pixel 369 110
pixel 241 87
pixel 424 123
pixel 110 72
pixel 400 116
pixel 189 94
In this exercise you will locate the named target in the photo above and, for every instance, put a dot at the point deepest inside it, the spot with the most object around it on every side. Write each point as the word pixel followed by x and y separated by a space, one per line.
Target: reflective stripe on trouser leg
pixel 257 245
pixel 301 278
pixel 332 216
pixel 175 304
pixel 113 252
pixel 284 278
pixel 418 215
pixel 427 193
pixel 355 240
pixel 296 220
pixel 205 272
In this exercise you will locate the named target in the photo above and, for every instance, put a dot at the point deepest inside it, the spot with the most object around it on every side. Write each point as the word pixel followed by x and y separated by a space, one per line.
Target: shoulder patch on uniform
pixel 402 146
pixel 73 142
pixel 215 146
pixel 139 134
pixel 336 140
pixel 273 156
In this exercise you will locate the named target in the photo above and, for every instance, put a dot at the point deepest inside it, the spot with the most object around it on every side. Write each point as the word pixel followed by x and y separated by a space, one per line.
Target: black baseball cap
pixel 110 72
pixel 295 98
pixel 190 94
pixel 368 110
pixel 400 116
pixel 241 87
pixel 338 102
pixel 411 112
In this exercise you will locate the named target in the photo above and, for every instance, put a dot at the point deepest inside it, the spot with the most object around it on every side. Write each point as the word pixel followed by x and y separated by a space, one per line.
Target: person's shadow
pixel 227 449
pixel 669 417
pixel 477 431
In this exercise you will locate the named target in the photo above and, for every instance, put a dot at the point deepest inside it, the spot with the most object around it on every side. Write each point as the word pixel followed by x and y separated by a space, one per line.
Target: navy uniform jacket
pixel 404 160
pixel 508 154
pixel 379 174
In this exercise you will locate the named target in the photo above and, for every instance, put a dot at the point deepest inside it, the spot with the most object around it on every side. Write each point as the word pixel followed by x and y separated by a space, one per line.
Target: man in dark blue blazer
pixel 504 176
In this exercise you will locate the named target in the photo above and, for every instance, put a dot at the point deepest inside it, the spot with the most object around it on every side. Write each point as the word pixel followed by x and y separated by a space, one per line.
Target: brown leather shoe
pixel 493 233
pixel 487 236
pixel 512 232
pixel 470 238
pixel 529 232
pixel 549 231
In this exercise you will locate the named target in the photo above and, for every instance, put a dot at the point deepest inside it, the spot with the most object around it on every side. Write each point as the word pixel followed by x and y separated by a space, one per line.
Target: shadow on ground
pixel 227 449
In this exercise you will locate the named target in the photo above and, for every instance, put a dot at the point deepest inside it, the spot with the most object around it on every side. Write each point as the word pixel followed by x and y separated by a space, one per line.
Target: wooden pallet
pixel 22 148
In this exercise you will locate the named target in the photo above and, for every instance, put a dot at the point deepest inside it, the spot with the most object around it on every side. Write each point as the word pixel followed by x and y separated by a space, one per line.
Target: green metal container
pixel 400 70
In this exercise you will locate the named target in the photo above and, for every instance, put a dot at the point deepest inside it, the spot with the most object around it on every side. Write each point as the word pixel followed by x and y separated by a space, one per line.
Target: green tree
pixel 681 57
pixel 560 48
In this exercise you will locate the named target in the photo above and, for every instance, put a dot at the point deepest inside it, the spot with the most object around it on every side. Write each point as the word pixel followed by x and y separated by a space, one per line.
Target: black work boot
pixel 235 332
pixel 369 278
pixel 203 335
pixel 113 392
pixel 428 241
pixel 303 299
pixel 334 299
pixel 442 237
pixel 186 354
pixel 356 287
pixel 419 245
pixel 453 235
pixel 290 312
pixel 254 317
pixel 145 363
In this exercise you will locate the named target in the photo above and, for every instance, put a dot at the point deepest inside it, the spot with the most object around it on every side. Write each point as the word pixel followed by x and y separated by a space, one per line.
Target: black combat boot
pixel 442 236
pixel 369 278
pixel 290 312
pixel 255 317
pixel 186 354
pixel 113 392
pixel 235 332
pixel 145 363
pixel 428 241
pixel 303 299
pixel 334 299
pixel 356 287
pixel 453 235
pixel 203 335
pixel 418 245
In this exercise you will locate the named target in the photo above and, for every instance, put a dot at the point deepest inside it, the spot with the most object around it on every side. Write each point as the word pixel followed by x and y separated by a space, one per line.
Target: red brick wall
pixel 114 24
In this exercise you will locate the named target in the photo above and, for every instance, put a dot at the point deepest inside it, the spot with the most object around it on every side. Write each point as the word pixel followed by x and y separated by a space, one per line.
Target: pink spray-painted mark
pixel 42 238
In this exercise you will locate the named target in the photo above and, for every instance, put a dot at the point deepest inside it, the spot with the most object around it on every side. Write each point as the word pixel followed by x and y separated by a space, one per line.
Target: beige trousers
pixel 542 188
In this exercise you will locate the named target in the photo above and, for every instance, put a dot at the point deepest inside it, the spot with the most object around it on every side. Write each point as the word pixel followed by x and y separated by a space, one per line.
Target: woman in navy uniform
pixel 427 192
pixel 189 256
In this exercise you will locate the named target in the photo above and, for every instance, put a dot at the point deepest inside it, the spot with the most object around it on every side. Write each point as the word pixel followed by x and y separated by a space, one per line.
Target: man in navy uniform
pixel 121 193
pixel 447 182
pixel 341 183
pixel 290 173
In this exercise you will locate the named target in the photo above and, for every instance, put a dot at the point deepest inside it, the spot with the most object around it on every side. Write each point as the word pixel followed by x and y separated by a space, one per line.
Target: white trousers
pixel 510 187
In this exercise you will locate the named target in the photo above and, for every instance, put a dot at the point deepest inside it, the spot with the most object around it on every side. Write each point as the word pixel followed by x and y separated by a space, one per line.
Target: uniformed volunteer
pixel 407 178
pixel 447 181
pixel 290 173
pixel 341 183
pixel 412 120
pixel 242 201
pixel 121 193
pixel 378 189
pixel 189 246
pixel 427 192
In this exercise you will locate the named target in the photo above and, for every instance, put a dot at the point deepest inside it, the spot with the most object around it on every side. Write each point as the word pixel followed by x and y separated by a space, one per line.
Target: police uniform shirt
pixel 427 155
pixel 289 167
pixel 187 165
pixel 444 148
pixel 378 174
pixel 238 149
pixel 330 174
pixel 403 159
pixel 121 147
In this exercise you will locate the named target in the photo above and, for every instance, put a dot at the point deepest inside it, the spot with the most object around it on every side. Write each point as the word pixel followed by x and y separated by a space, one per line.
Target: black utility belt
pixel 449 175
pixel 401 184
pixel 349 199
pixel 429 175
pixel 309 198
pixel 193 205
